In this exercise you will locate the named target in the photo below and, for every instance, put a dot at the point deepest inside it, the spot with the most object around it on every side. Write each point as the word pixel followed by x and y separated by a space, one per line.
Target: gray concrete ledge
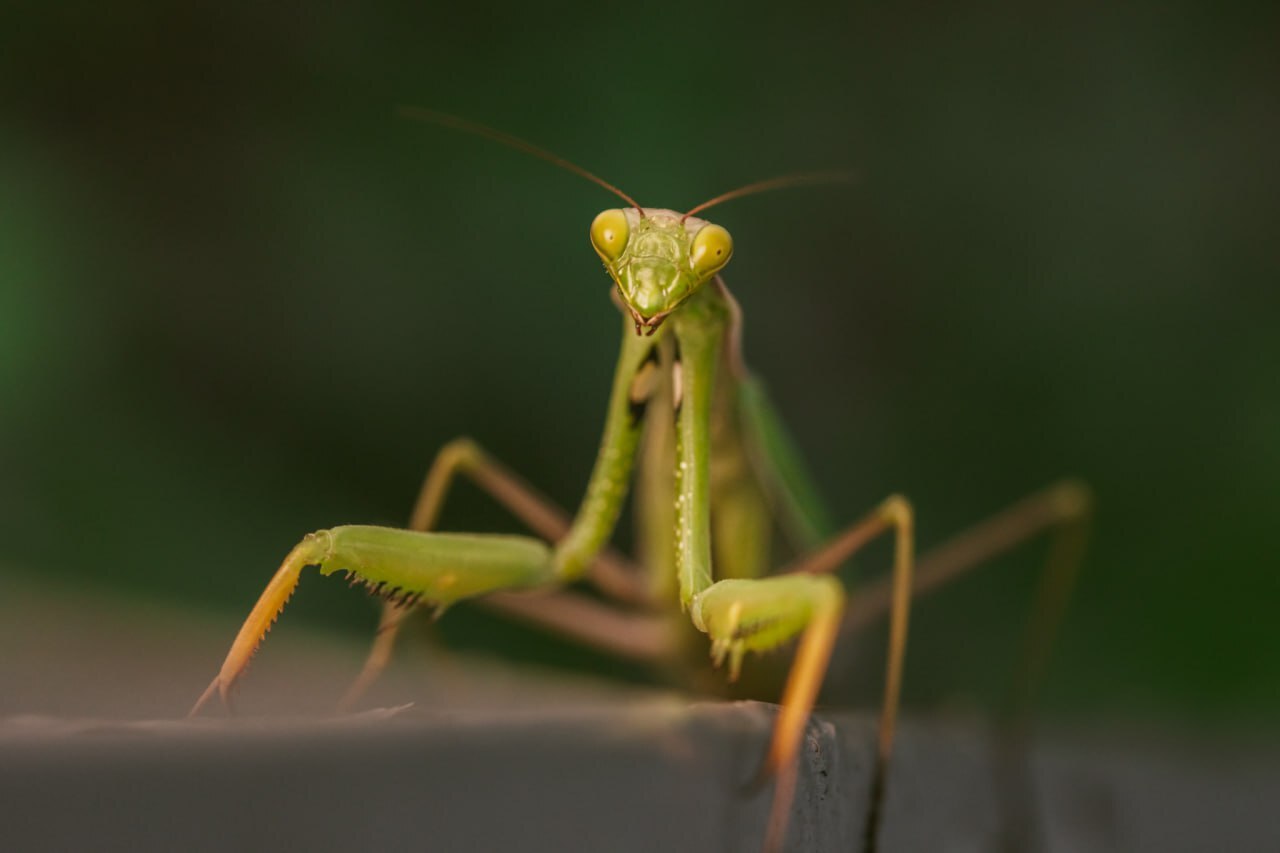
pixel 648 775
pixel 491 759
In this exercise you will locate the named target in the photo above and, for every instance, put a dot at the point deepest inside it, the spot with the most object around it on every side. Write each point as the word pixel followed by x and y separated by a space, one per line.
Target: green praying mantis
pixel 716 477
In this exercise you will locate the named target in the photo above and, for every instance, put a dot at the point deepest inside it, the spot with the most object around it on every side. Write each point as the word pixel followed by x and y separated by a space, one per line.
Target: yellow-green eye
pixel 609 234
pixel 711 249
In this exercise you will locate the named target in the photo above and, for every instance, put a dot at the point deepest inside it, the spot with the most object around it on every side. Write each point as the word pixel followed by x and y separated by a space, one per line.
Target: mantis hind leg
pixel 579 617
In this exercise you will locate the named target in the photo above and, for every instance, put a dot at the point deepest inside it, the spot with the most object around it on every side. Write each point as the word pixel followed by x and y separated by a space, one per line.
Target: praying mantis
pixel 716 477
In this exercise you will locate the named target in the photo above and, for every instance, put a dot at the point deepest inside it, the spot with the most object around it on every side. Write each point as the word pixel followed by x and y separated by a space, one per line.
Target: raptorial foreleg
pixel 404 566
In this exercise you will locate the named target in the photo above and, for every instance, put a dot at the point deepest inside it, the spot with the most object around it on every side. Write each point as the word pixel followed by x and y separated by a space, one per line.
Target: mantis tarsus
pixel 716 475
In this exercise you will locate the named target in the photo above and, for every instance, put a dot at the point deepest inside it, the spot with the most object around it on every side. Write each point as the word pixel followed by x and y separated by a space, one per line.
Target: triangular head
pixel 658 258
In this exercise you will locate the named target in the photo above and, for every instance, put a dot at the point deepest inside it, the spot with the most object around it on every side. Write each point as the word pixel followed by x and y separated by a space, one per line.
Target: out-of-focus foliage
pixel 240 299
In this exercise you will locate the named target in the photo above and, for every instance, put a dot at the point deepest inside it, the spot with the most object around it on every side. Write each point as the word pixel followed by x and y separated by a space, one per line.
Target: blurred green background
pixel 241 300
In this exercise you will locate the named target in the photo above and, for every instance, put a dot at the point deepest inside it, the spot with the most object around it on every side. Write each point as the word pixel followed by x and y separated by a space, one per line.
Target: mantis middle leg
pixel 1063 511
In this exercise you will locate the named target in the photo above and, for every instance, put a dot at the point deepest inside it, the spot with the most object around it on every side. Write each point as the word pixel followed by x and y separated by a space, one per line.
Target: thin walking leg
pixel 1063 510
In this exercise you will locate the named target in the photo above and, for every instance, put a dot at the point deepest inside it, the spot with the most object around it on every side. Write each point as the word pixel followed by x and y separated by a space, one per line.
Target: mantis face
pixel 658 258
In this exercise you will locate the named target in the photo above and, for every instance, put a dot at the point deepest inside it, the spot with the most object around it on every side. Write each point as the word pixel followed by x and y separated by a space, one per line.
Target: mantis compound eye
pixel 711 250
pixel 609 233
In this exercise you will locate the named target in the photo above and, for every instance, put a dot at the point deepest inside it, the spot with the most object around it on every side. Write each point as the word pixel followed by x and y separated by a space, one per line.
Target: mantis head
pixel 658 258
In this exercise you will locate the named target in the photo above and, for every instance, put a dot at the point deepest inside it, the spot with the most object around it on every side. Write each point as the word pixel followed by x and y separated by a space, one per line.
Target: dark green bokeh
pixel 240 300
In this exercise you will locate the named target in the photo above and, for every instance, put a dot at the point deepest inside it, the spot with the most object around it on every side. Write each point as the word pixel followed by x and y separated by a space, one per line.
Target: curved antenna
pixel 461 124
pixel 782 182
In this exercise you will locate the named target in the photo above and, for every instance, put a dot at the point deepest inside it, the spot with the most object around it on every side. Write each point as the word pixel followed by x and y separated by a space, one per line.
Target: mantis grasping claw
pixel 715 476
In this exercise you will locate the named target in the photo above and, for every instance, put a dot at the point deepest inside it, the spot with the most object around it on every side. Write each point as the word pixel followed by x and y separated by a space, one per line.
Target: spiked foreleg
pixel 741 615
pixel 757 615
pixel 761 614
pixel 401 565
pixel 440 568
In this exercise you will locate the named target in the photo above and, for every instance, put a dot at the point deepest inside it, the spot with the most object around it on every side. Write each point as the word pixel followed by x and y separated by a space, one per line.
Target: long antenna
pixel 461 124
pixel 782 182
